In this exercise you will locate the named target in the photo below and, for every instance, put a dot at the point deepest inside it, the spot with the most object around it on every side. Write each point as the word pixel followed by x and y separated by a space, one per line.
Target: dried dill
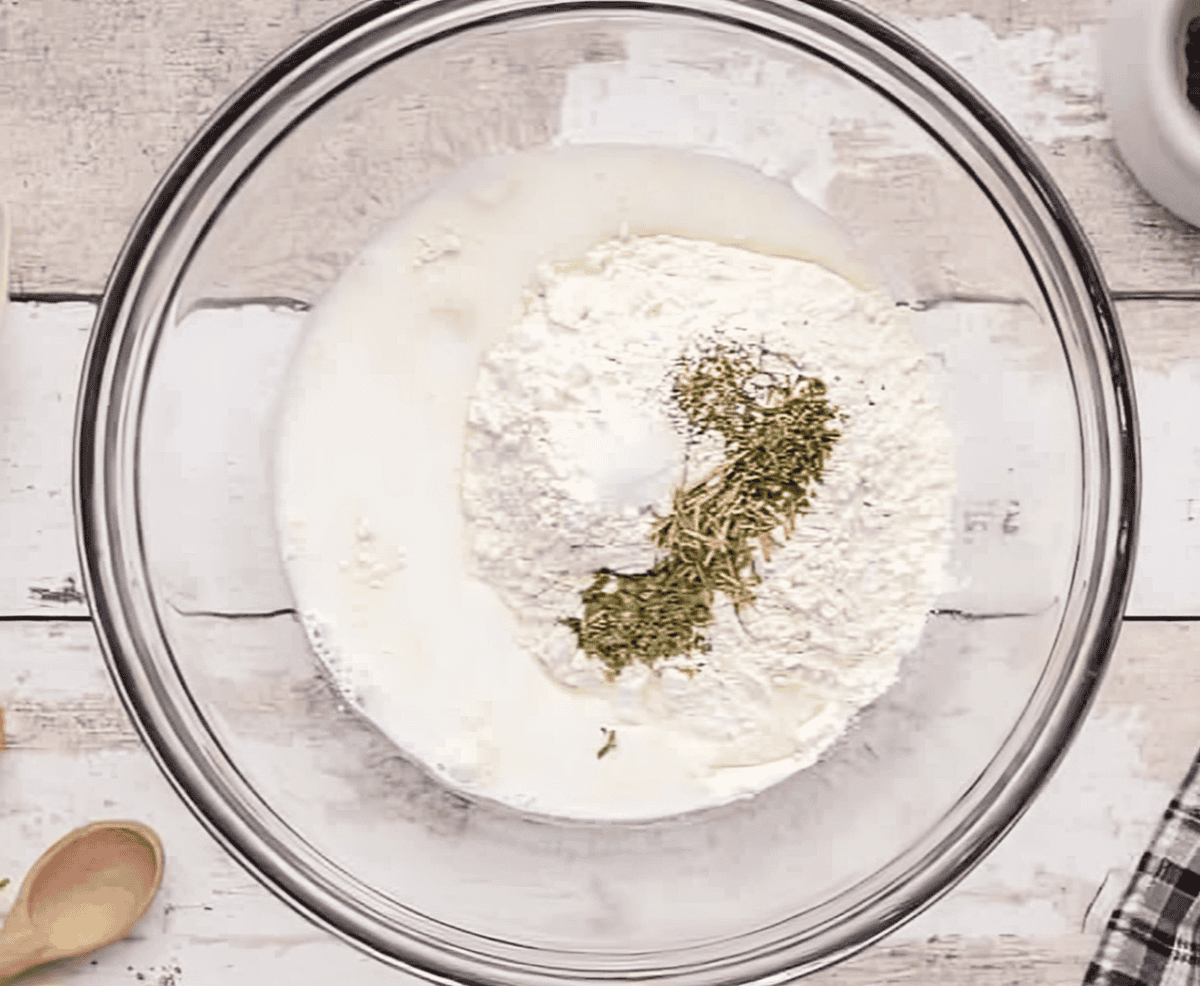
pixel 609 745
pixel 776 427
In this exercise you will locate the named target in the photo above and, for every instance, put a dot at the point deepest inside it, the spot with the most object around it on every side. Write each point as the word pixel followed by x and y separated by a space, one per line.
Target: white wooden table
pixel 96 97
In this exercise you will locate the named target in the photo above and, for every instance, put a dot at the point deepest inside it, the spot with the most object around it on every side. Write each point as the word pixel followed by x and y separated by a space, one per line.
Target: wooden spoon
pixel 86 891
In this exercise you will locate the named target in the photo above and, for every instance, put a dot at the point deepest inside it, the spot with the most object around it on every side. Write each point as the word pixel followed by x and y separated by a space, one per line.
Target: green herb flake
pixel 609 745
pixel 3 883
pixel 777 434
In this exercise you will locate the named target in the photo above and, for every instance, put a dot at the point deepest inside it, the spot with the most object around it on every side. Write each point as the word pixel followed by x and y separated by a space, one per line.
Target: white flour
pixel 571 450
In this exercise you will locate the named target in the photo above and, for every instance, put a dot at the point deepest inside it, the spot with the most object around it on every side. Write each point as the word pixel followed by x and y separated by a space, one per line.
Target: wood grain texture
pixel 99 96
pixel 1004 960
pixel 1165 351
pixel 41 353
pixel 1140 245
pixel 96 99
pixel 1031 913
pixel 5 247
pixel 59 697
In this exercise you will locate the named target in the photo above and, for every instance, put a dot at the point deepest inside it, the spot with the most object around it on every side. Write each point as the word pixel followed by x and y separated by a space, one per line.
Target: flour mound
pixel 573 448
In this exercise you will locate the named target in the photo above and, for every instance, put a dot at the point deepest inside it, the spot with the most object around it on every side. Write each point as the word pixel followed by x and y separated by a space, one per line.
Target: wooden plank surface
pixel 41 355
pixel 96 98
pixel 1031 912
pixel 1036 905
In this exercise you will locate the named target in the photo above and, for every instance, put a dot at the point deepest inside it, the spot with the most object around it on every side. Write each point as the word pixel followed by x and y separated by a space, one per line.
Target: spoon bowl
pixel 85 892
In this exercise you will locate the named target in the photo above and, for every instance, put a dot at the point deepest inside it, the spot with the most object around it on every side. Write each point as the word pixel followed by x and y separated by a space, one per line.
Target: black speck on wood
pixel 69 593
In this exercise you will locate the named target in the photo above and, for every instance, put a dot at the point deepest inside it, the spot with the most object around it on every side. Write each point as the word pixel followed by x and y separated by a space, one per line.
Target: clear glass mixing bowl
pixel 277 195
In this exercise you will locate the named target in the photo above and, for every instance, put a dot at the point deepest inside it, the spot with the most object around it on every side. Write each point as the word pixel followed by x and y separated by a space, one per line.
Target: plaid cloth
pixel 1153 937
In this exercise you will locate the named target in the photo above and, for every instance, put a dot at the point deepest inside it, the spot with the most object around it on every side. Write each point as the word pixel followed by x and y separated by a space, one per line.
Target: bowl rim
pixel 108 530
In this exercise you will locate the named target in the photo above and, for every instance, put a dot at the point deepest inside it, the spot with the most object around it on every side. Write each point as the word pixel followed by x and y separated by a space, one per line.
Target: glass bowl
pixel 276 196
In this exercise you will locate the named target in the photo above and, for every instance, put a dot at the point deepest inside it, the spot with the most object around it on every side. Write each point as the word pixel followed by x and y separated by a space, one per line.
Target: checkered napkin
pixel 1153 937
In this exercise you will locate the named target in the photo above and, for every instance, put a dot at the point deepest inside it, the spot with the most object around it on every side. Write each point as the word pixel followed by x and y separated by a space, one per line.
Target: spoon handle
pixel 20 952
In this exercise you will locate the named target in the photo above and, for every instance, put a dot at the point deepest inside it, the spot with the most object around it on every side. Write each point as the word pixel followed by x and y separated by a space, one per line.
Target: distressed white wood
pixel 41 352
pixel 73 755
pixel 100 95
pixel 1037 903
pixel 97 96
pixel 5 242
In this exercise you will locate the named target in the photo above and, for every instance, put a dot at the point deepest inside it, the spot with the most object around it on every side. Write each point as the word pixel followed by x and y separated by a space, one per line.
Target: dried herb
pixel 3 883
pixel 777 434
pixel 609 745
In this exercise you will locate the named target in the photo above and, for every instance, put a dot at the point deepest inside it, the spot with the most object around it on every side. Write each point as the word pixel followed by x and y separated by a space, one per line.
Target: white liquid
pixel 370 477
